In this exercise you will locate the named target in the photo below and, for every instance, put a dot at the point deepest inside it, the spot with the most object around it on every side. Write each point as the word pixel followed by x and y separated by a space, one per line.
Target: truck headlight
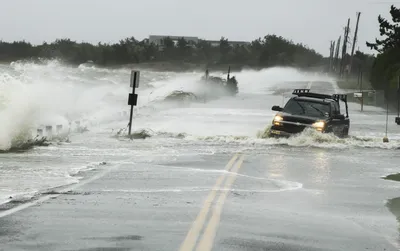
pixel 277 120
pixel 319 125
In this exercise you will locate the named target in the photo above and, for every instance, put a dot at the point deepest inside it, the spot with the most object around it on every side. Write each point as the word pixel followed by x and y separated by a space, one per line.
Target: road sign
pixel 132 99
pixel 135 76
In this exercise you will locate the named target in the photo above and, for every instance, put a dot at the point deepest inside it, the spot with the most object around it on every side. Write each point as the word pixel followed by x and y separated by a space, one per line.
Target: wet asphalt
pixel 285 199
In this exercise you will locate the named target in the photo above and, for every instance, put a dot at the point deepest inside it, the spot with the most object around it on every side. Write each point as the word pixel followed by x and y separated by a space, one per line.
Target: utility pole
pixel 330 57
pixel 354 40
pixel 361 89
pixel 331 52
pixel 397 119
pixel 398 96
pixel 336 62
pixel 344 48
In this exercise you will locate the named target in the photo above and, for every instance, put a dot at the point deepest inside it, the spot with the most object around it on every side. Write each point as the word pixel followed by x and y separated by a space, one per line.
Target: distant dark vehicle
pixel 217 86
pixel 311 110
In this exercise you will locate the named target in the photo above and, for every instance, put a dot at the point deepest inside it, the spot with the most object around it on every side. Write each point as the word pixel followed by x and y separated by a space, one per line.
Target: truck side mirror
pixel 277 108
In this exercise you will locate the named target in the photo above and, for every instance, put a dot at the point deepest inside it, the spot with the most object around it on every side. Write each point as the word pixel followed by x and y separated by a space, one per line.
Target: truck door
pixel 337 124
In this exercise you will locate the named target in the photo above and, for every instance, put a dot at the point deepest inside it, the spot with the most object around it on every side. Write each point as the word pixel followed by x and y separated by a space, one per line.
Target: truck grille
pixel 300 120
pixel 291 128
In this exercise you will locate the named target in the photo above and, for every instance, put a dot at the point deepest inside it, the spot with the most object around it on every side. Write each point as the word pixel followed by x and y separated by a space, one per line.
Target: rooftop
pixel 153 38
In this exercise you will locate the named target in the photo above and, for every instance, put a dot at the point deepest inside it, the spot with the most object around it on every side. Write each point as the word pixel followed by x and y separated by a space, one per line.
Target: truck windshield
pixel 307 108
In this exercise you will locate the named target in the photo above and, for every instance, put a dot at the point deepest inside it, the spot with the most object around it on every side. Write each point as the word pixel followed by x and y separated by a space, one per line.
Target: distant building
pixel 215 43
pixel 158 40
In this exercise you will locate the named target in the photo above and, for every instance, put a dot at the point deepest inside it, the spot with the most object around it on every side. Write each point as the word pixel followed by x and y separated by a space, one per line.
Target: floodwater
pixel 321 178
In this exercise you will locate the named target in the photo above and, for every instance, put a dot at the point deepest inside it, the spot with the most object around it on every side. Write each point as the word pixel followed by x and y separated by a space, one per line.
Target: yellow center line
pixel 191 237
pixel 207 240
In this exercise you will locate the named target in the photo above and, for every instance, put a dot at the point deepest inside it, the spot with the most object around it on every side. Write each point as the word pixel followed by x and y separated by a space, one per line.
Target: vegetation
pixel 269 51
pixel 394 177
pixel 386 67
pixel 362 64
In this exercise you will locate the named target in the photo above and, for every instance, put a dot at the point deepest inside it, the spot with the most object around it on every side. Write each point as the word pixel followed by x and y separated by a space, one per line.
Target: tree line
pixel 385 70
pixel 271 50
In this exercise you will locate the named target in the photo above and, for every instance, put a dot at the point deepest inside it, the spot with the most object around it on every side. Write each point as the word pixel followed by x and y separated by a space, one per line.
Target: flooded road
pixel 204 179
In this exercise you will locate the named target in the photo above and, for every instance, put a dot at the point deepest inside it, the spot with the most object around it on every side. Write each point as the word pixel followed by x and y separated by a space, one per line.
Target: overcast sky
pixel 312 22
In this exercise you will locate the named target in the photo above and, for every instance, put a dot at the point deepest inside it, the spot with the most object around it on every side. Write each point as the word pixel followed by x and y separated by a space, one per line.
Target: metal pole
pixel 358 79
pixel 398 105
pixel 362 93
pixel 133 97
pixel 398 96
pixel 332 67
pixel 130 120
pixel 131 114
pixel 385 139
pixel 354 41
pixel 344 48
pixel 206 86
pixel 387 116
pixel 337 62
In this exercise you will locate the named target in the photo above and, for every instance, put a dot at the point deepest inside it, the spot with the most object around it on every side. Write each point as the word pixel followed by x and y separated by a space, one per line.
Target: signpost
pixel 59 128
pixel 132 98
pixel 206 85
pixel 397 119
pixel 49 132
pixel 360 83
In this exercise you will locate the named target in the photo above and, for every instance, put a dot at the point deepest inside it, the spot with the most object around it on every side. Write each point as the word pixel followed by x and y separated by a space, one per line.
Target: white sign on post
pixel 135 75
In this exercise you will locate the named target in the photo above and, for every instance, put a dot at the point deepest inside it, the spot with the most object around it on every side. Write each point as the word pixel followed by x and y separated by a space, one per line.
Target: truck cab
pixel 311 110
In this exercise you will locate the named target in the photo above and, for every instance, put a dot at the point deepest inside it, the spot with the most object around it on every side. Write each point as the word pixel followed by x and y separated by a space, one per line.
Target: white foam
pixel 52 93
pixel 34 95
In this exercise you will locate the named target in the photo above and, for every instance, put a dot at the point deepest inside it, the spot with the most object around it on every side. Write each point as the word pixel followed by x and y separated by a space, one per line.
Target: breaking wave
pixel 34 95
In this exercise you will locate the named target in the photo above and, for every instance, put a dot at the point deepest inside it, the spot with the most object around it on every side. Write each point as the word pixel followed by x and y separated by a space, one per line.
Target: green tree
pixel 224 49
pixel 390 32
pixel 386 67
pixel 270 51
pixel 183 48
pixel 168 48
pixel 204 51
